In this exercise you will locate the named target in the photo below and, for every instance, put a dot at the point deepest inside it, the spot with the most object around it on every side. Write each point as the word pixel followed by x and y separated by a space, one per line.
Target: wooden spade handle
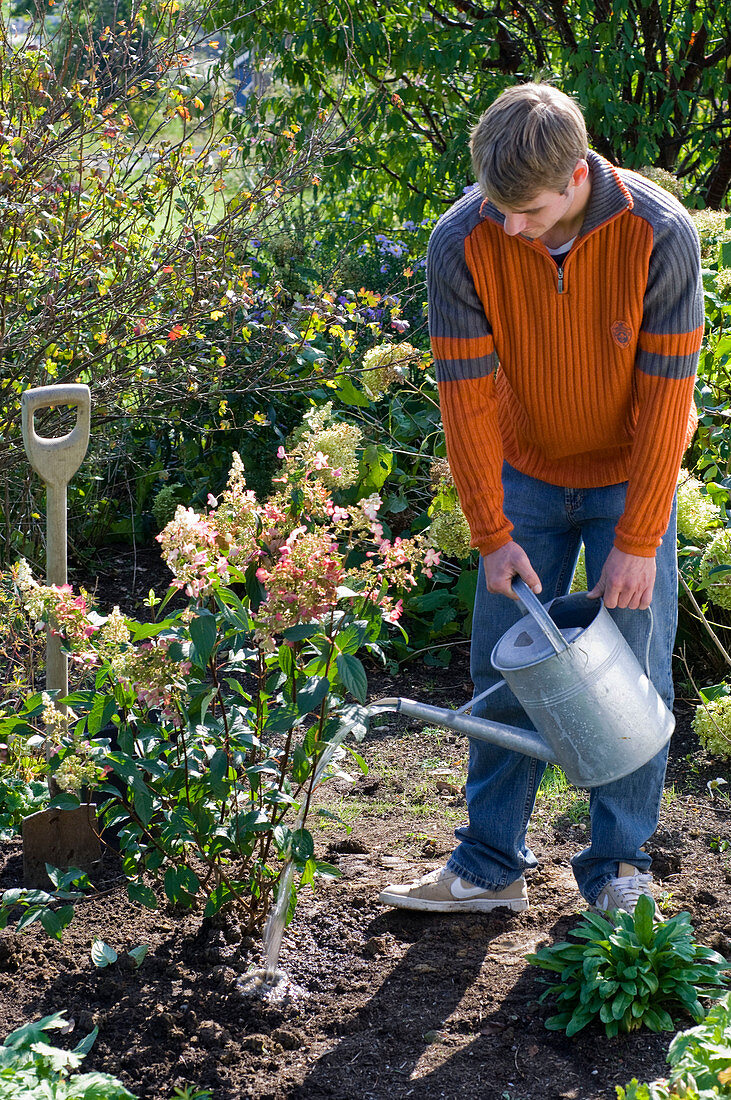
pixel 56 460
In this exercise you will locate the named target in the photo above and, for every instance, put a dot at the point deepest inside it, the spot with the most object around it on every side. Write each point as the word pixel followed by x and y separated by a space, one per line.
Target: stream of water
pixel 269 980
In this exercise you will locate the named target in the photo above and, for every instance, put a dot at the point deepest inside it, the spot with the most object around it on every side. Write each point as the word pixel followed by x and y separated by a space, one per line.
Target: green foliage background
pixel 410 79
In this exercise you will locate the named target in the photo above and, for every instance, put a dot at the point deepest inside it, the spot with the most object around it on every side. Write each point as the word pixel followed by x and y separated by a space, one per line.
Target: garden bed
pixel 389 1004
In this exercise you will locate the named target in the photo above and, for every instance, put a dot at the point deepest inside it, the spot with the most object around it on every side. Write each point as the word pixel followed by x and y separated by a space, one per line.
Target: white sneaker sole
pixel 470 905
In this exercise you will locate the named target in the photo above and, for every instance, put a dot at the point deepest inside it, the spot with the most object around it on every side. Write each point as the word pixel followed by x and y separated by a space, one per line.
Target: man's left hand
pixel 626 581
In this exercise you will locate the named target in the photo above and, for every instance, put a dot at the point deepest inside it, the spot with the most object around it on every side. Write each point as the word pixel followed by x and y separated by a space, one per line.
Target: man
pixel 566 316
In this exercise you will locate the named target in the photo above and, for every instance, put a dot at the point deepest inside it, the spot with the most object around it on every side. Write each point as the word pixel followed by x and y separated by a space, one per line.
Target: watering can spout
pixel 513 738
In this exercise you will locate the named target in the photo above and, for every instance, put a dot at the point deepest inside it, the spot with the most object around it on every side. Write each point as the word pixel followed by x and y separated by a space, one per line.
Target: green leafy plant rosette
pixel 635 973
pixel 701 1062
pixel 31 1068
pixel 701 1056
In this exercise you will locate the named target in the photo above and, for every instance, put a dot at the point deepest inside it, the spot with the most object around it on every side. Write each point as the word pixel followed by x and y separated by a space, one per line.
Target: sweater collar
pixel 609 196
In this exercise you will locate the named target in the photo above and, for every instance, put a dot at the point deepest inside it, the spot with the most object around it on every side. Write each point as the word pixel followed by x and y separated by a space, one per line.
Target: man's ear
pixel 580 173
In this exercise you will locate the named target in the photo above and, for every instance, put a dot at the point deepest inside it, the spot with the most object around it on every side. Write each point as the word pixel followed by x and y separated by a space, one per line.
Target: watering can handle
pixel 534 607
pixel 537 611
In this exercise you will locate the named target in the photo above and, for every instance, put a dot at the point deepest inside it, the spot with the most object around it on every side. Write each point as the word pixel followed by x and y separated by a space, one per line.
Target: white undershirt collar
pixel 562 248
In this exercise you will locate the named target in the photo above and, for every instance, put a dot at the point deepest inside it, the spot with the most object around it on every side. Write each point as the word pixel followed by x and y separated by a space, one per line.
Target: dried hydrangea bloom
pixel 440 475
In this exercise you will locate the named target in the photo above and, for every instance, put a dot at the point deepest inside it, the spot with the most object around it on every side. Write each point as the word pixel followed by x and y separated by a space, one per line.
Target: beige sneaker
pixel 624 891
pixel 442 891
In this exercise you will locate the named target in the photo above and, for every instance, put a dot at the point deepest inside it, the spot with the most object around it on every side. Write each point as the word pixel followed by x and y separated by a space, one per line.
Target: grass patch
pixel 558 798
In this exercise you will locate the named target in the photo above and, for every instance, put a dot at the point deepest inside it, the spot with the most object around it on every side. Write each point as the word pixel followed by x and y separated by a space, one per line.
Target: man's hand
pixel 626 581
pixel 502 565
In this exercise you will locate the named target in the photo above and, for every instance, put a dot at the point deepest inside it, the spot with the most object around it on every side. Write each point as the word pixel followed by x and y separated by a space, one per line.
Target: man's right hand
pixel 502 565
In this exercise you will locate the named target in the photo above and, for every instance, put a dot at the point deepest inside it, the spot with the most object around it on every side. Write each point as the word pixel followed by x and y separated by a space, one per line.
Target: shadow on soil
pixel 496 1047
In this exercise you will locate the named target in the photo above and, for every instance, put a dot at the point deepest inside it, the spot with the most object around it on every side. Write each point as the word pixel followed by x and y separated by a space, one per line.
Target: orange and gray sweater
pixel 581 375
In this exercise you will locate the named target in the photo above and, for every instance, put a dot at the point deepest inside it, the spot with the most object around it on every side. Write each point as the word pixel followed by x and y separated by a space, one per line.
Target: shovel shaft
pixel 56 562
pixel 57 677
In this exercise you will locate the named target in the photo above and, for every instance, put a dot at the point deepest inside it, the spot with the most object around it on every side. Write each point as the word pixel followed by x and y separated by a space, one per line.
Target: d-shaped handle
pixel 537 611
pixel 56 460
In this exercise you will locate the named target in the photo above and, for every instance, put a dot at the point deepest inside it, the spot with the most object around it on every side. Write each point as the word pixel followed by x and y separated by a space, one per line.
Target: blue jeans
pixel 550 523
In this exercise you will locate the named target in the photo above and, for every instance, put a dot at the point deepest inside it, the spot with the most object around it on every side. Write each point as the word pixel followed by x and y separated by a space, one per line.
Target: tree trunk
pixel 720 177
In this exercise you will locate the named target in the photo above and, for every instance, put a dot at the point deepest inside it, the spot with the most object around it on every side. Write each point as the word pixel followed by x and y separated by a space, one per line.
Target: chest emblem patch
pixel 621 333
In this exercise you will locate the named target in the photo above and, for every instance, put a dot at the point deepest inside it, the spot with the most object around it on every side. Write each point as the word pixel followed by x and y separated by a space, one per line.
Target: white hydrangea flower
pixel 663 179
pixel 718 553
pixel 384 365
pixel 320 437
pixel 697 514
pixel 450 533
pixel 23 576
pixel 711 226
pixel 712 723
pixel 115 630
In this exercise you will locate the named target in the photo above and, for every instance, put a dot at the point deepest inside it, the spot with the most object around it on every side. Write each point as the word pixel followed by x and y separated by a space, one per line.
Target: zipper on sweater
pixel 560 280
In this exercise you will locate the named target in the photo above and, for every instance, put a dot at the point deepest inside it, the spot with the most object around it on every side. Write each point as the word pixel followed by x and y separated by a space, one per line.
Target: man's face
pixel 539 215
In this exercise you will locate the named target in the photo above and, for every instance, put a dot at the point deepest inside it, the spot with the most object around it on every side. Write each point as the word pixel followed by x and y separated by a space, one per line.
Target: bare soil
pixel 387 1004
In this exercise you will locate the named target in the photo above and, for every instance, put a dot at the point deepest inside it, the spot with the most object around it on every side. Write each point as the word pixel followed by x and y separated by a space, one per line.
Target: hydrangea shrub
pixel 227 714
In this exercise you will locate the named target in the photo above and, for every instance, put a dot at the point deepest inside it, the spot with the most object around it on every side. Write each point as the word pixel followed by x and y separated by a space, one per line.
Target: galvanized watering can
pixel 598 715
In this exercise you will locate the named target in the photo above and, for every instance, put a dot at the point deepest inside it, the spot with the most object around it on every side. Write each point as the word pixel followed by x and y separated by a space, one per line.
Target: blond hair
pixel 529 140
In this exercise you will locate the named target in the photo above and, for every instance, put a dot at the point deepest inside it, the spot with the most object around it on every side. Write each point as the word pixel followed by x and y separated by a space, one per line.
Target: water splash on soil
pixel 269 981
pixel 275 987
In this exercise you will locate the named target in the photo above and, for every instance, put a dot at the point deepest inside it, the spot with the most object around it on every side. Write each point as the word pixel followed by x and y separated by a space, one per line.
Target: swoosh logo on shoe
pixel 461 893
